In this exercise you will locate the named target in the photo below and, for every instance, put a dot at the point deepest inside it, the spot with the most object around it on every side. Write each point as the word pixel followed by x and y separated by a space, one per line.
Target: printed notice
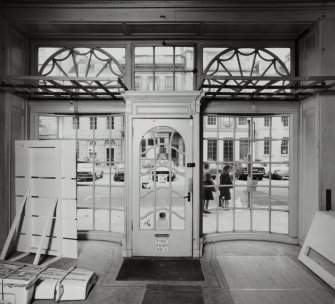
pixel 162 244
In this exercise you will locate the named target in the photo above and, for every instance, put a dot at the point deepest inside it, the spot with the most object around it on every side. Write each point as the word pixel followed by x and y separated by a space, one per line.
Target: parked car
pixel 119 172
pixel 278 171
pixel 89 170
pixel 241 171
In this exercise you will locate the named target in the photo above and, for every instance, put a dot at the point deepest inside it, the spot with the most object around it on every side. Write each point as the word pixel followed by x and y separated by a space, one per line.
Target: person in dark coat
pixel 225 182
pixel 209 188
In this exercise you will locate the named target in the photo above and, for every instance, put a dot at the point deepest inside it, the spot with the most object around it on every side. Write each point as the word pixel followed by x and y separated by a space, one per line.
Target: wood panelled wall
pixel 12 124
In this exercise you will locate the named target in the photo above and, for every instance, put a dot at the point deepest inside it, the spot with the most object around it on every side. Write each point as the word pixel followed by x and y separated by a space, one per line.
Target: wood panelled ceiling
pixel 199 30
pixel 186 19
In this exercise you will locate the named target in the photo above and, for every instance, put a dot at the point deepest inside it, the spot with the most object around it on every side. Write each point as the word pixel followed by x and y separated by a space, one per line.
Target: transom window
pixel 161 68
pixel 82 62
pixel 167 68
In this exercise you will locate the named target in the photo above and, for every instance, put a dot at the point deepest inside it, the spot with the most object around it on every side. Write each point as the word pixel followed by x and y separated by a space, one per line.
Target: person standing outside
pixel 209 188
pixel 225 181
pixel 207 193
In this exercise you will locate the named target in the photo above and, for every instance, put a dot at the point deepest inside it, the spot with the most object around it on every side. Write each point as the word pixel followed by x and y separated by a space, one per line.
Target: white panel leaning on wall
pixel 45 189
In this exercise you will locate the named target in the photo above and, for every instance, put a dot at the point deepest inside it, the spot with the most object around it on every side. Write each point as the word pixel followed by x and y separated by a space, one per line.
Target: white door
pixel 162 182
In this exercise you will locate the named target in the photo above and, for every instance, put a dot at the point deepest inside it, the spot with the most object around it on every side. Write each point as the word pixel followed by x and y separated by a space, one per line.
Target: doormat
pixel 176 294
pixel 160 270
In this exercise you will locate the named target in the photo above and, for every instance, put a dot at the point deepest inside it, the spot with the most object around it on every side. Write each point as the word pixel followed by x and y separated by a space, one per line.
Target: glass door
pixel 162 201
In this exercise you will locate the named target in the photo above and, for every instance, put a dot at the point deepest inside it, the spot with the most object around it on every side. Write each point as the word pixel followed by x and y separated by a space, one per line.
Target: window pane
pixel 163 58
pixel 260 220
pixel 241 195
pixel 279 196
pixel 226 221
pixel 242 220
pixel 145 81
pixel 101 220
pixel 164 82
pixel 209 222
pixel 209 54
pixel 47 128
pixel 184 58
pixel 84 196
pixel 117 221
pixel 144 57
pixel 168 83
pixel 260 195
pixel 184 81
pixel 85 219
pixel 117 193
pixel 66 127
pixel 279 222
pixel 284 54
pixel 102 197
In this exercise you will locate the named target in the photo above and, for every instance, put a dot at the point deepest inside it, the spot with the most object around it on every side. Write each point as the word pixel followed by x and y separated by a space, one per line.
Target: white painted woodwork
pixel 41 206
pixel 179 241
pixel 68 226
pixel 320 238
pixel 47 170
pixel 50 246
pixel 44 161
pixel 309 166
pixel 46 230
pixel 180 110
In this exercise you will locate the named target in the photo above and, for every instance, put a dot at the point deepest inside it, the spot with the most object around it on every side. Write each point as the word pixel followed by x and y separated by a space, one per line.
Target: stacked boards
pixel 45 185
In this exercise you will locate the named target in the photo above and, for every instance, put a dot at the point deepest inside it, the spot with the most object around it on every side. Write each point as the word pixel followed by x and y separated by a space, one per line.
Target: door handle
pixel 188 196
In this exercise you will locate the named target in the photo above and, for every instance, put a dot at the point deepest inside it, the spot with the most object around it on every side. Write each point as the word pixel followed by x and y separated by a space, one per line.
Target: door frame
pixel 157 105
pixel 172 237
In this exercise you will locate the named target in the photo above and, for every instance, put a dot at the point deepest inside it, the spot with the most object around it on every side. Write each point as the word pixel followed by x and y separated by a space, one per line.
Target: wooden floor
pixel 239 272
